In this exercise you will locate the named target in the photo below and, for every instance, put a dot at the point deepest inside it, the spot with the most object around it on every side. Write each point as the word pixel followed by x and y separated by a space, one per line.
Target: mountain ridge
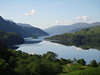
pixel 30 29
pixel 71 28
pixel 10 26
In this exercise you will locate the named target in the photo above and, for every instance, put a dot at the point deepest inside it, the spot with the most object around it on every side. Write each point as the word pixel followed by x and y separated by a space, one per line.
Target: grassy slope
pixel 90 31
pixel 71 73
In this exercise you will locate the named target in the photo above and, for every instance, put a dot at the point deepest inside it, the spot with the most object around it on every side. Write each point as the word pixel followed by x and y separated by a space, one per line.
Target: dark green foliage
pixel 65 61
pixel 5 54
pixel 51 56
pixel 8 39
pixel 44 68
pixel 21 63
pixel 81 61
pixel 5 68
pixel 94 63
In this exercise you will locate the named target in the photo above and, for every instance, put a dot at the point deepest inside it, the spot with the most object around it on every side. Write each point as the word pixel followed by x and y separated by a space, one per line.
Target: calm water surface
pixel 68 52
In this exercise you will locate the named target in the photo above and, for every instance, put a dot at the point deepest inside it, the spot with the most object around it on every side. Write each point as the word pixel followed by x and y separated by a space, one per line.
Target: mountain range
pixel 24 30
pixel 32 30
pixel 70 28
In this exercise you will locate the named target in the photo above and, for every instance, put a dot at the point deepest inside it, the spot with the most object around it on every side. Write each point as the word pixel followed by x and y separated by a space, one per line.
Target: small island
pixel 34 37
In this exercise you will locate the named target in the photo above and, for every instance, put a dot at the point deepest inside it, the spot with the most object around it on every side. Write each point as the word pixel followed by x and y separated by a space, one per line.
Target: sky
pixel 48 13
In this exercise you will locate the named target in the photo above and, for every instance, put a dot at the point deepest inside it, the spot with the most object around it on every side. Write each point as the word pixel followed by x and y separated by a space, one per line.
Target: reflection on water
pixel 13 47
pixel 32 42
pixel 68 52
pixel 83 45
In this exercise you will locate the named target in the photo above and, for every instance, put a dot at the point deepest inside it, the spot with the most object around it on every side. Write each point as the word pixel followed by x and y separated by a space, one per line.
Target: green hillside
pixel 10 38
pixel 90 31
pixel 86 38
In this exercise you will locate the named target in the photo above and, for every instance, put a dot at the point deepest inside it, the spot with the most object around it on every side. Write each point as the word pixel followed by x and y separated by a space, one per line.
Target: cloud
pixel 31 13
pixel 57 22
pixel 68 21
pixel 83 18
pixel 63 22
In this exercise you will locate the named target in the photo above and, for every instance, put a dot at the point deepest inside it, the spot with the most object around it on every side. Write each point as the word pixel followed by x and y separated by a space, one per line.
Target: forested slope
pixel 10 38
pixel 90 36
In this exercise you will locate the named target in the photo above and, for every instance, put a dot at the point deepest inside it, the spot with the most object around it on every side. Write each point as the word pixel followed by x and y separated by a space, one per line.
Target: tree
pixel 5 68
pixel 74 60
pixel 81 61
pixel 94 63
pixel 40 68
pixel 63 61
pixel 22 70
pixel 51 56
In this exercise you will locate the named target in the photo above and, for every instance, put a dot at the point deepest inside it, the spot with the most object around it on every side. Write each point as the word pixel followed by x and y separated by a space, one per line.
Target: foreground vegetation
pixel 86 38
pixel 20 63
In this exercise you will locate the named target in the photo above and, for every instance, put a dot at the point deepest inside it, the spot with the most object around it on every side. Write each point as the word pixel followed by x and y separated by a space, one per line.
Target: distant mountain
pixel 32 30
pixel 24 31
pixel 70 28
